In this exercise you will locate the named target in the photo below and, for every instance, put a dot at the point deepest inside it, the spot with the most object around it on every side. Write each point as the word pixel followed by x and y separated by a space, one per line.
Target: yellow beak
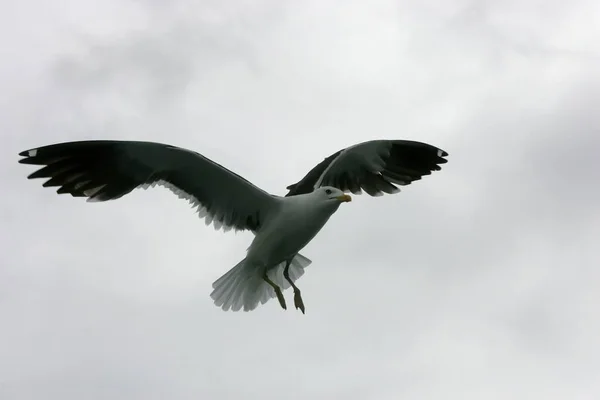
pixel 344 197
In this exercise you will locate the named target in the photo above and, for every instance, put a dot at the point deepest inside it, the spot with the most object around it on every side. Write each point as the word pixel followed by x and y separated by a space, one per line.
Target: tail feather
pixel 296 271
pixel 243 287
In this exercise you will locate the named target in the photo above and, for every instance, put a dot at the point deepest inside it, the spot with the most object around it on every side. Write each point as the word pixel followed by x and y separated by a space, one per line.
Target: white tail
pixel 243 287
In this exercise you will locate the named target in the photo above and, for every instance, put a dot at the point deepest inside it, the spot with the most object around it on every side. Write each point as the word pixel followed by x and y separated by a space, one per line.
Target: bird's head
pixel 333 194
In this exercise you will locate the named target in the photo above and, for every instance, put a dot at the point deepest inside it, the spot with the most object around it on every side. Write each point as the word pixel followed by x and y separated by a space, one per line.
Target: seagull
pixel 103 170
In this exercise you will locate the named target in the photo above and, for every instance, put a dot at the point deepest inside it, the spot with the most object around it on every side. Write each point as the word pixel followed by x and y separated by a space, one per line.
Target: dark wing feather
pixel 375 166
pixel 104 170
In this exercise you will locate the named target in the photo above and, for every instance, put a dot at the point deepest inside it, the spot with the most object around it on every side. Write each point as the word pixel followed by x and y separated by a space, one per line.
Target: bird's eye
pixel 328 191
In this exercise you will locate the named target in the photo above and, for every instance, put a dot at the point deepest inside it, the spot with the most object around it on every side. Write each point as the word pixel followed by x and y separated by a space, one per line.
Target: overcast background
pixel 478 282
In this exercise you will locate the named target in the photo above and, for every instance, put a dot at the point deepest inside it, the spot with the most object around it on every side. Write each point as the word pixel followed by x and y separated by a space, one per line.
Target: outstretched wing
pixel 375 166
pixel 104 170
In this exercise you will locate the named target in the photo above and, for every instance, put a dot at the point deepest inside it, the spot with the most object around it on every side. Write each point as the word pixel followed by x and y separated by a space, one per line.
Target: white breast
pixel 295 224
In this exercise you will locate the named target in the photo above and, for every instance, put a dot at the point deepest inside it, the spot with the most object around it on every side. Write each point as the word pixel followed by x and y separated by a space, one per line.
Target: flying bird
pixel 102 170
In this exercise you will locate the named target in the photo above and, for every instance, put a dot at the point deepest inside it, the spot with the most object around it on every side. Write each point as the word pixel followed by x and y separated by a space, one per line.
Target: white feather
pixel 242 288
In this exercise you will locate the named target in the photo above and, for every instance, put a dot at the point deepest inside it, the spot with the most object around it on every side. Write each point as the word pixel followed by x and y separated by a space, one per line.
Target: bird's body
pixel 296 221
pixel 282 226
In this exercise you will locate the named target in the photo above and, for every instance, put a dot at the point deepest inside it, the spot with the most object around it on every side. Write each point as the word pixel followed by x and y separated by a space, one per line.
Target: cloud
pixel 478 281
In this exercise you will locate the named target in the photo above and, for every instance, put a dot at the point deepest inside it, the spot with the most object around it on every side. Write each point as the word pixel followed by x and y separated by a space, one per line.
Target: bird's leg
pixel 277 291
pixel 297 297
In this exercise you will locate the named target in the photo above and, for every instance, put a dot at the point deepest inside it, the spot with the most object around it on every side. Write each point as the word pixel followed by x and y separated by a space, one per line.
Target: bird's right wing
pixel 375 166
pixel 104 170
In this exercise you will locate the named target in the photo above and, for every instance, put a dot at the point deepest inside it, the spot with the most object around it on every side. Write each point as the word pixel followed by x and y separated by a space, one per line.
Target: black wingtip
pixel 28 152
pixel 28 156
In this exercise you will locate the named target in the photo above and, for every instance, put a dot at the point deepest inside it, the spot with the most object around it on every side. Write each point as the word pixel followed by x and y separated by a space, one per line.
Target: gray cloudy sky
pixel 478 282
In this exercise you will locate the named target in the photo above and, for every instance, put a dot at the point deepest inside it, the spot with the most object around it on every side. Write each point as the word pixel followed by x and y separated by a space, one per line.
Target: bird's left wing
pixel 375 166
pixel 104 170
